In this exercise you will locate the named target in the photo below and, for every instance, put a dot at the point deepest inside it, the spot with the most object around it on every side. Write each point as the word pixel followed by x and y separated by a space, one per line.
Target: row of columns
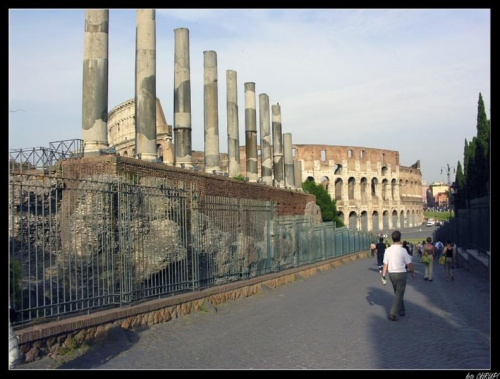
pixel 95 106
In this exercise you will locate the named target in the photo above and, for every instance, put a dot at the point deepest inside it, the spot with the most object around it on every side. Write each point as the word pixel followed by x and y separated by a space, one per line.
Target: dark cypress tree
pixel 459 196
pixel 476 158
pixel 469 151
pixel 483 126
pixel 481 157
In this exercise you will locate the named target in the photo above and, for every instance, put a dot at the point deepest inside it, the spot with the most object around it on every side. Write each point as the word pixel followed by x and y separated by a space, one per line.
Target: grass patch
pixel 439 216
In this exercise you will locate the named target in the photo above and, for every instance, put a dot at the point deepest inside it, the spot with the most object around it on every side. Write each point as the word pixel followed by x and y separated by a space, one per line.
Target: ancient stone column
pixel 95 82
pixel 211 115
pixel 278 166
pixel 266 167
pixel 289 173
pixel 297 170
pixel 250 132
pixel 182 100
pixel 145 85
pixel 233 138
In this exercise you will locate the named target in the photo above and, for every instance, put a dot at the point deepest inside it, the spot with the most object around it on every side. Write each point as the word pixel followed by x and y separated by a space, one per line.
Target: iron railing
pixel 26 159
pixel 471 226
pixel 82 245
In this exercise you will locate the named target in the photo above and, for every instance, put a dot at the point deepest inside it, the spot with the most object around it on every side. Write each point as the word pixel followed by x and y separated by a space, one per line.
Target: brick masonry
pixel 289 202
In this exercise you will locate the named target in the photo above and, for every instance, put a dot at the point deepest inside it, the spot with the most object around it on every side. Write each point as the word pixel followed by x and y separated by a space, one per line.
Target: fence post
pixel 268 240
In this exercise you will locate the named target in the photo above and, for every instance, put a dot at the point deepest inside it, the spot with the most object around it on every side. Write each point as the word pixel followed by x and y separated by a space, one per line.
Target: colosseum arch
pixel 338 188
pixel 364 189
pixel 341 217
pixel 353 221
pixel 393 189
pixel 395 222
pixel 385 220
pixel 374 186
pixel 364 221
pixel 337 169
pixel 325 182
pixel 375 221
pixel 403 220
pixel 384 170
pixel 159 150
pixel 385 188
pixel 351 183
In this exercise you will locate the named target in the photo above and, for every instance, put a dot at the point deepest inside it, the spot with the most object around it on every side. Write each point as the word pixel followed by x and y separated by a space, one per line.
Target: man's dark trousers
pixel 398 280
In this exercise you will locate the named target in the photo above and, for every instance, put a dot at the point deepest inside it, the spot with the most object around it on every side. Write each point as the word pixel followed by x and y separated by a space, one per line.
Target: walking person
pixel 409 250
pixel 395 259
pixel 380 253
pixel 448 253
pixel 439 248
pixel 430 251
pixel 421 249
pixel 373 249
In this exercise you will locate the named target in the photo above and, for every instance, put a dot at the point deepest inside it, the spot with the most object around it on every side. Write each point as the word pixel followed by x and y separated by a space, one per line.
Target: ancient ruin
pixel 372 190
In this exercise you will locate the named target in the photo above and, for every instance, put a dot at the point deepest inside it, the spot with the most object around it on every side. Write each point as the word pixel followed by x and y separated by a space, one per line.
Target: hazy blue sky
pixel 398 79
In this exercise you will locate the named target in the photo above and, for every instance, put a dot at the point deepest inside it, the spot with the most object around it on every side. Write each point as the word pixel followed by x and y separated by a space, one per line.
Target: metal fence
pixel 84 245
pixel 24 160
pixel 470 228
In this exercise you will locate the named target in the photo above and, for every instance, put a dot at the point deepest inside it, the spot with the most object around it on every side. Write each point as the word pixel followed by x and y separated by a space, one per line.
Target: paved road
pixel 333 320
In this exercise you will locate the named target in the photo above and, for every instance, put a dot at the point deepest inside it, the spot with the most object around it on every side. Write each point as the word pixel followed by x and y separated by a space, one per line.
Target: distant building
pixel 442 200
pixel 438 195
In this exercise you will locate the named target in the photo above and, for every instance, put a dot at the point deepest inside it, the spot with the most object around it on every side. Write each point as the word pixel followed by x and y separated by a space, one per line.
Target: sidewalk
pixel 335 320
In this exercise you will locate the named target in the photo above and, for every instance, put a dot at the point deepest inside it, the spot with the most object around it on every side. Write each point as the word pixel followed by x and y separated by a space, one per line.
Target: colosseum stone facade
pixel 373 192
pixel 121 131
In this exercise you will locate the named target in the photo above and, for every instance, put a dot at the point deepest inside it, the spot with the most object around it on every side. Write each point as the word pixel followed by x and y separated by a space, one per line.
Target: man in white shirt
pixel 396 258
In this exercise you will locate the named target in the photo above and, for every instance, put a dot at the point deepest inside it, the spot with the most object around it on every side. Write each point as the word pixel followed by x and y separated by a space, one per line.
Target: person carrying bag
pixel 429 254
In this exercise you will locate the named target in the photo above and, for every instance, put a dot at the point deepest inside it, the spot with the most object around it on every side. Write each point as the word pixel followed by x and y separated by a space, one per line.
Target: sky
pixel 399 79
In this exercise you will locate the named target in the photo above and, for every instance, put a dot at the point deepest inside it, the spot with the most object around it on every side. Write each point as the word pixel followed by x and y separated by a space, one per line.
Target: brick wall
pixel 289 202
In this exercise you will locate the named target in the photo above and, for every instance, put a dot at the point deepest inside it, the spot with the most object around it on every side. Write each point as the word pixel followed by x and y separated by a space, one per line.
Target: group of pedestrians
pixel 443 254
pixel 396 260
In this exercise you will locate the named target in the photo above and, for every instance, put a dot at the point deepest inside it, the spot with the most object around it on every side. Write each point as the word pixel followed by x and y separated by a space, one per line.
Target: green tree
pixel 481 157
pixel 327 206
pixel 470 170
pixel 459 196
pixel 476 174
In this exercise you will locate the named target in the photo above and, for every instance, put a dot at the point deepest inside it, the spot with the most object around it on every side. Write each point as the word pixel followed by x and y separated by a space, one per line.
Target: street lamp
pixel 448 171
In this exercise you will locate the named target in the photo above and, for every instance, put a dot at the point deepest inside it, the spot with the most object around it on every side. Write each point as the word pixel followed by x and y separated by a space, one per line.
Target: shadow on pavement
pixel 117 341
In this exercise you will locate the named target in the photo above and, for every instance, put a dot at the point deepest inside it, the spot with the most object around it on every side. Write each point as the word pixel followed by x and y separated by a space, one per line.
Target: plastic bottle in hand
pixel 384 281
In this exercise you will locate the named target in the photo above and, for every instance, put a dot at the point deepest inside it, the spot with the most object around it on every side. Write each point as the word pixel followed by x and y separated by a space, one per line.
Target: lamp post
pixel 448 171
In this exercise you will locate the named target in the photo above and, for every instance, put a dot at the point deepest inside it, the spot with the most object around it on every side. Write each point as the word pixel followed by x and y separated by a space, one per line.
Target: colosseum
pixel 121 131
pixel 372 191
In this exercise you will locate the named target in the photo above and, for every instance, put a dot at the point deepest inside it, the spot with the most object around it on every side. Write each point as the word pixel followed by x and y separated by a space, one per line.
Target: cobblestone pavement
pixel 334 320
